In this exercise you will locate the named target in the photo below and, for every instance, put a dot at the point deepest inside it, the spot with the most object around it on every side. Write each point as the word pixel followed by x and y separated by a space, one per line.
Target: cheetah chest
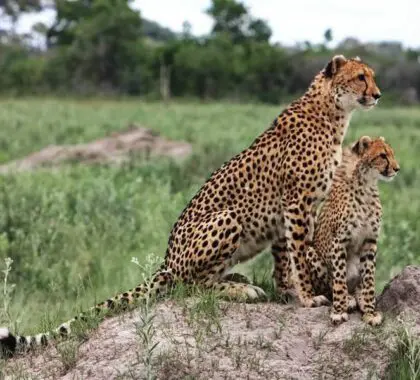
pixel 364 226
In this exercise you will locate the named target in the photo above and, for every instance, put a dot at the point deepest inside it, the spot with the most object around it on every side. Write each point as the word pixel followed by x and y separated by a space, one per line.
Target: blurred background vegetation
pixel 105 47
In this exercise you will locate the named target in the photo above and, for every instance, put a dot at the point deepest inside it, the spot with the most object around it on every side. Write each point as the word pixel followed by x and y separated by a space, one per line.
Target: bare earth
pixel 232 341
pixel 252 341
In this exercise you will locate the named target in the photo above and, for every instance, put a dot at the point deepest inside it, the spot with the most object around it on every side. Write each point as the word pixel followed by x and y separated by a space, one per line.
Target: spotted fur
pixel 343 255
pixel 266 195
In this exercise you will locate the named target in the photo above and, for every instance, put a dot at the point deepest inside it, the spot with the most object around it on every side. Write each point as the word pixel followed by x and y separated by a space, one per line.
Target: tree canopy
pixel 105 46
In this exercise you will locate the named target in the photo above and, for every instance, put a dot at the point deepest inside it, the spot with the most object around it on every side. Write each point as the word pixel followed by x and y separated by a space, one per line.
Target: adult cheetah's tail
pixel 158 285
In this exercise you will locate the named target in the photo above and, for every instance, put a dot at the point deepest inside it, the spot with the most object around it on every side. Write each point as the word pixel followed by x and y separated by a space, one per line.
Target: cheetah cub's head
pixel 352 83
pixel 378 157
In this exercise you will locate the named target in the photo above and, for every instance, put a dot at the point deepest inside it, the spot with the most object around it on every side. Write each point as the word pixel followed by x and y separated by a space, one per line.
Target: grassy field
pixel 72 234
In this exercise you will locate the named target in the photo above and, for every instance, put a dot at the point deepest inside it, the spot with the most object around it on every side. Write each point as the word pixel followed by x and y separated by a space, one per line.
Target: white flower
pixel 135 260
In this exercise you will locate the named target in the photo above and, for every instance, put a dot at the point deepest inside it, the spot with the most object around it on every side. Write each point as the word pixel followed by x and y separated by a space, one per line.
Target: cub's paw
pixel 337 318
pixel 373 319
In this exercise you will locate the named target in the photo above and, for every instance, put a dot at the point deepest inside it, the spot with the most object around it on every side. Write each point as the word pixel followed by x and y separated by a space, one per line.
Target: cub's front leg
pixel 365 293
pixel 338 261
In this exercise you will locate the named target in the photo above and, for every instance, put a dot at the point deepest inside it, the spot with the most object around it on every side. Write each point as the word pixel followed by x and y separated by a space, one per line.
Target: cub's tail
pixel 158 285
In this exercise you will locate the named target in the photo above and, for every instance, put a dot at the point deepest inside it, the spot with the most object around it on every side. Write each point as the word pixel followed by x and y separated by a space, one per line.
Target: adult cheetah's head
pixel 352 83
pixel 378 157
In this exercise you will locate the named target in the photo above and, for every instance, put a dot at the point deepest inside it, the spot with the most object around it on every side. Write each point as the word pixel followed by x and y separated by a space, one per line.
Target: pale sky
pixel 295 20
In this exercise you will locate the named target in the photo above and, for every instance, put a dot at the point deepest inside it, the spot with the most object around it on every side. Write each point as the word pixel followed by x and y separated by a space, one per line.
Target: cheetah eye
pixel 361 77
pixel 382 155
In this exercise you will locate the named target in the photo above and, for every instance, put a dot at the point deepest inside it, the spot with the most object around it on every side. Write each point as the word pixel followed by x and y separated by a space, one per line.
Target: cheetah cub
pixel 343 254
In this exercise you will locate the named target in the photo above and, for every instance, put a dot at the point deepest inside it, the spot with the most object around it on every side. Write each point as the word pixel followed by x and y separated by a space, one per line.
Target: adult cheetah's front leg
pixel 281 271
pixel 298 223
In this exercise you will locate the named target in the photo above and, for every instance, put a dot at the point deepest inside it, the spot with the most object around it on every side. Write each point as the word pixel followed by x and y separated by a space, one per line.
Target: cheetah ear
pixel 357 58
pixel 381 138
pixel 334 65
pixel 360 146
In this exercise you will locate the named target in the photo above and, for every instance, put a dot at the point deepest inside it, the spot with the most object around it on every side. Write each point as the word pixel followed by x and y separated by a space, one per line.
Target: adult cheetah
pixel 265 195
pixel 343 253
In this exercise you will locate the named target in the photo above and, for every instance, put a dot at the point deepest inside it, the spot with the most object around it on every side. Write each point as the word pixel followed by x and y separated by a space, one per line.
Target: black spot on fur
pixel 7 346
pixel 63 331
pixel 44 340
pixel 370 241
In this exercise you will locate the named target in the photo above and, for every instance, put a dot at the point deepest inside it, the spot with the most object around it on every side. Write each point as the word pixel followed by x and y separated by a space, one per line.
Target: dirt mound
pixel 402 293
pixel 200 340
pixel 114 149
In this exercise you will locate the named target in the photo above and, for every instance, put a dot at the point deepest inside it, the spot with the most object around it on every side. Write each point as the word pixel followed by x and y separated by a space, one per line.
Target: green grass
pixel 405 357
pixel 72 233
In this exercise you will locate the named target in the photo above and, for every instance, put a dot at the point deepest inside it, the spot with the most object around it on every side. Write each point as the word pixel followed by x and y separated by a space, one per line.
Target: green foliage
pixel 99 40
pixel 13 8
pixel 405 358
pixel 20 71
pixel 105 47
pixel 156 32
pixel 232 19
pixel 72 233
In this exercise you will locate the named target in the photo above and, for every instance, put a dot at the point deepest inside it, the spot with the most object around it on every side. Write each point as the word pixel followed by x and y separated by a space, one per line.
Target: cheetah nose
pixel 377 95
pixel 397 169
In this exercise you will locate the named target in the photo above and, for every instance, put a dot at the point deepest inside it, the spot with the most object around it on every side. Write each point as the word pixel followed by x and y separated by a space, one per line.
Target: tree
pixel 186 30
pixel 259 30
pixel 156 32
pixel 100 39
pixel 13 8
pixel 230 18
pixel 328 36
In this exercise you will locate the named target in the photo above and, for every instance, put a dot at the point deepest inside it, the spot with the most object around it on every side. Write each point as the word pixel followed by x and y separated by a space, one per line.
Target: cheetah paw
pixel 316 301
pixel 373 319
pixel 254 292
pixel 320 301
pixel 337 318
pixel 352 304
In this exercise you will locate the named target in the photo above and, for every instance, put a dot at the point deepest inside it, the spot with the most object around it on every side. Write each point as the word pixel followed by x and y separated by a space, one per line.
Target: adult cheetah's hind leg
pixel 211 260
